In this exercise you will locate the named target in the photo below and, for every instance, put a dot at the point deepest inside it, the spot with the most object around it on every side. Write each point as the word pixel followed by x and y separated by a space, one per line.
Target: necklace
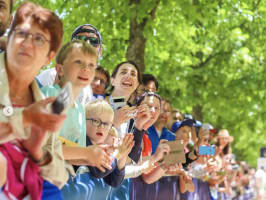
pixel 17 99
pixel 13 96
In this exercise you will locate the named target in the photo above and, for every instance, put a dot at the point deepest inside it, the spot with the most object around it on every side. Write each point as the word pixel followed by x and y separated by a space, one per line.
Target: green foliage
pixel 208 53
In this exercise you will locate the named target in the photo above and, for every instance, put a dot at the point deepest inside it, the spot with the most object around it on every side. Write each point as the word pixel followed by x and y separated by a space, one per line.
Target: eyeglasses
pixel 98 123
pixel 37 39
pixel 94 41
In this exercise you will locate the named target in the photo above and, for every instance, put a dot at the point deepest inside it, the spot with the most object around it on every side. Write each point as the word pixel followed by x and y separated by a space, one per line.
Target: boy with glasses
pixel 99 120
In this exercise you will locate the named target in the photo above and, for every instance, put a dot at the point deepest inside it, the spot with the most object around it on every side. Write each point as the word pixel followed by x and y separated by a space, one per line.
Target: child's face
pixel 165 114
pixel 151 86
pixel 155 108
pixel 79 68
pixel 96 131
pixel 184 133
pixel 98 83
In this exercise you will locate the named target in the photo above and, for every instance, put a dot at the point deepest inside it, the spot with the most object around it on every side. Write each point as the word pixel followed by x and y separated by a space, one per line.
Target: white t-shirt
pixel 47 77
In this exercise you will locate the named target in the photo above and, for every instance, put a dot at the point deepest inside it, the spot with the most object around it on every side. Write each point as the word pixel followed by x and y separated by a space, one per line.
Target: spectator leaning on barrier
pixel 125 79
pixel 23 59
pixel 184 132
pixel 177 118
pixel 159 131
pixel 100 82
pixel 150 82
pixel 89 34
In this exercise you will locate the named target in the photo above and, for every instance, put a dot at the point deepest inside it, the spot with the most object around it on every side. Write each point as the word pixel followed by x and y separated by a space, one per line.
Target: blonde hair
pixel 85 47
pixel 98 107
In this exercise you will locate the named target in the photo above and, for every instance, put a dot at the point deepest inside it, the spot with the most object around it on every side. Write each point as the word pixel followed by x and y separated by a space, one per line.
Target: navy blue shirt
pixel 155 140
pixel 113 177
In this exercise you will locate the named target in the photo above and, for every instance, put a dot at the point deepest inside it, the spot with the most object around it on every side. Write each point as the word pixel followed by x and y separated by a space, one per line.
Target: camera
pixel 118 102
pixel 206 150
pixel 63 100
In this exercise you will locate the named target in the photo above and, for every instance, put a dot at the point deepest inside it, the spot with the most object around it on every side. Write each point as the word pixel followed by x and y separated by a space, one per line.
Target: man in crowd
pixel 150 82
pixel 100 82
pixel 5 19
pixel 159 131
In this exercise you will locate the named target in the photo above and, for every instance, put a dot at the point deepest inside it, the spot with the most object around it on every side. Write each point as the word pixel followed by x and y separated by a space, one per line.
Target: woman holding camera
pixel 34 38
pixel 125 80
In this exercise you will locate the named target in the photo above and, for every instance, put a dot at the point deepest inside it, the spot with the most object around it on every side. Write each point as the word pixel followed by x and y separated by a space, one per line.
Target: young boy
pixel 99 120
pixel 76 63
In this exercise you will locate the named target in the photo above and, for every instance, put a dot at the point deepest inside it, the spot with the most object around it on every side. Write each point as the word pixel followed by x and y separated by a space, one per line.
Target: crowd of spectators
pixel 74 131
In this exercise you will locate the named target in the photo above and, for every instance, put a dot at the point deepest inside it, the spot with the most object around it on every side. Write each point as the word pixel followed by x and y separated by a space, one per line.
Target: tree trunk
pixel 137 44
pixel 137 41
pixel 197 112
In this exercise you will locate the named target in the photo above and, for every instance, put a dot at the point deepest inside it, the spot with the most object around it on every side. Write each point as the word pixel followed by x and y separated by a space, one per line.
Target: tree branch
pixel 203 63
pixel 256 4
pixel 151 13
pixel 208 59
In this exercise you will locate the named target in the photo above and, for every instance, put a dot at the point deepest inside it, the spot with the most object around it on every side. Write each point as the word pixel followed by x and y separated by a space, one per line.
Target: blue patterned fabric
pixel 122 192
pixel 51 192
pixel 91 183
pixel 85 187
pixel 166 188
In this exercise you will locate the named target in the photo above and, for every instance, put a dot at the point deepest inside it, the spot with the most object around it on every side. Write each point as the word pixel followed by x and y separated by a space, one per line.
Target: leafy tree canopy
pixel 205 53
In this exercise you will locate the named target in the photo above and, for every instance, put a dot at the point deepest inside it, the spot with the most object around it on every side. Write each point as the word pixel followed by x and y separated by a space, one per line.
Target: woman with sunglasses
pixel 34 38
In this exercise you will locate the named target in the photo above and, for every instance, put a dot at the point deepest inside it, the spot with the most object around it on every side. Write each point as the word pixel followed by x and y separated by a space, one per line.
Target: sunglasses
pixel 93 40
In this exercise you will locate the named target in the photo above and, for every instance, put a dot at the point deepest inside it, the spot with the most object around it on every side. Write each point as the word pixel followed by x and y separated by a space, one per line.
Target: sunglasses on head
pixel 93 40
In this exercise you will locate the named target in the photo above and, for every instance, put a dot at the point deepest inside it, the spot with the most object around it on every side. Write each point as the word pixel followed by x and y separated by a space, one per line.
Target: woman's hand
pixel 97 156
pixel 162 149
pixel 37 115
pixel 175 169
pixel 35 143
pixel 124 114
pixel 147 166
pixel 143 117
pixel 210 165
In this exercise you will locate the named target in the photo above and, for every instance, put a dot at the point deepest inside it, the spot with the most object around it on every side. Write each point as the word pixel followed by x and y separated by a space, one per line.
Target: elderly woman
pixel 35 36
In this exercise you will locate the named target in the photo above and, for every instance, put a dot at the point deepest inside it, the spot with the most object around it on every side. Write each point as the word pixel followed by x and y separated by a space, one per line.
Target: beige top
pixel 56 171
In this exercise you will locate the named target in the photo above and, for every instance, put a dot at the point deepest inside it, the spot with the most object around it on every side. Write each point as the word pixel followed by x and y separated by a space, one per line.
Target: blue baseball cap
pixel 83 29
